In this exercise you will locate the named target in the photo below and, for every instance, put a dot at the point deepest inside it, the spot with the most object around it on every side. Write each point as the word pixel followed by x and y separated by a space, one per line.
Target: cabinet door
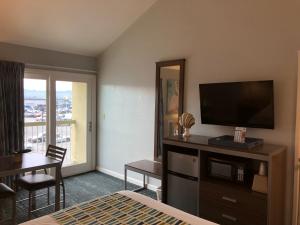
pixel 182 193
pixel 183 164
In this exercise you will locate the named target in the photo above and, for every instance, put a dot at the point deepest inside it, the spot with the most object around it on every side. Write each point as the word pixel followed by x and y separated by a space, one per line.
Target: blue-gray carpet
pixel 78 189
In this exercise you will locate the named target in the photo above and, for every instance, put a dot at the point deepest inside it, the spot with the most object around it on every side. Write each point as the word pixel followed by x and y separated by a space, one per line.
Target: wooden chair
pixel 35 182
pixel 7 194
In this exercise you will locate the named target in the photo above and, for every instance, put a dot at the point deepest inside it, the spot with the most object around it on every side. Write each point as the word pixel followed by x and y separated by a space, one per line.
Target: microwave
pixel 226 169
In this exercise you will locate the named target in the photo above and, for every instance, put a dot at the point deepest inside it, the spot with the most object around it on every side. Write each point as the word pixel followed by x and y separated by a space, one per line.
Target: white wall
pixel 222 41
pixel 44 57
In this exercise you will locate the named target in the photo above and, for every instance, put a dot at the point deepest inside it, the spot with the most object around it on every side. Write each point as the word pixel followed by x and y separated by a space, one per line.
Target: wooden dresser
pixel 218 200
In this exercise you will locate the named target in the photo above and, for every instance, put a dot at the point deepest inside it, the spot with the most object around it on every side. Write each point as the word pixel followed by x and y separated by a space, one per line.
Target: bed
pixel 123 207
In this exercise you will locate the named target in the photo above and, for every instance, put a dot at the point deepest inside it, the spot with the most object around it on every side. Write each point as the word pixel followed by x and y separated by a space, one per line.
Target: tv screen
pixel 243 104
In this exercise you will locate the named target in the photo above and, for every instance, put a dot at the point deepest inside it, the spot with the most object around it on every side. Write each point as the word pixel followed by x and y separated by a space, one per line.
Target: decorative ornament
pixel 186 120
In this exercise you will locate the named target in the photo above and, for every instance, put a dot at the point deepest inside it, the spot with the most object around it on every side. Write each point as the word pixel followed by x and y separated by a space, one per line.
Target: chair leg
pixel 14 210
pixel 48 196
pixel 15 185
pixel 29 205
pixel 64 193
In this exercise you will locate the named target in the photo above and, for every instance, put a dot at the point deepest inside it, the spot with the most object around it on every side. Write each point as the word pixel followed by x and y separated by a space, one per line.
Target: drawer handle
pixel 229 199
pixel 229 217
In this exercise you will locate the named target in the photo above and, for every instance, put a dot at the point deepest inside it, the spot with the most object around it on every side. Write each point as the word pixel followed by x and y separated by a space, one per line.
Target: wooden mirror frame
pixel 159 65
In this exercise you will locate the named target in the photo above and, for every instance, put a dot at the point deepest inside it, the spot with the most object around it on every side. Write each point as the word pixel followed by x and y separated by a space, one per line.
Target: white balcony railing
pixel 35 137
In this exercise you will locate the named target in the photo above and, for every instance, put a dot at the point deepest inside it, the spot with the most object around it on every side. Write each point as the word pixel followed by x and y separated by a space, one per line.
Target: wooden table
pixel 145 167
pixel 31 162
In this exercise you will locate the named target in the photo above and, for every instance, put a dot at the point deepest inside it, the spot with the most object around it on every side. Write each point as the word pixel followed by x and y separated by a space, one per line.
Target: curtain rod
pixel 58 68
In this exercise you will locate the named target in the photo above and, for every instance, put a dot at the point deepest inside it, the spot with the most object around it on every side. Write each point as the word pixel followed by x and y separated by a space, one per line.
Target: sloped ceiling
pixel 83 27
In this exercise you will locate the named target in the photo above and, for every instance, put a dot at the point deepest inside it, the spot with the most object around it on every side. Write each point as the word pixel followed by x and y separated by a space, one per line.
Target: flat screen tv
pixel 242 104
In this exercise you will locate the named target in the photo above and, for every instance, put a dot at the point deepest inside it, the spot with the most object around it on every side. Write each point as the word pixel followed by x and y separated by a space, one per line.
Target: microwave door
pixel 221 170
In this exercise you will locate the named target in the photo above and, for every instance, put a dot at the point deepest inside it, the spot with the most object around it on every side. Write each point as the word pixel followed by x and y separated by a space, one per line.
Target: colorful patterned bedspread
pixel 112 210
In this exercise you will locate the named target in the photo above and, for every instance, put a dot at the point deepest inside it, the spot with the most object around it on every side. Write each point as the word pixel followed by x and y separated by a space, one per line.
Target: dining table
pixel 30 162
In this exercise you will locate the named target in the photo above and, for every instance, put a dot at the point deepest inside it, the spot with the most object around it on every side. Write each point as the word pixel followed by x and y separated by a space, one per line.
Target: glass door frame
pixel 33 74
pixel 51 77
pixel 90 80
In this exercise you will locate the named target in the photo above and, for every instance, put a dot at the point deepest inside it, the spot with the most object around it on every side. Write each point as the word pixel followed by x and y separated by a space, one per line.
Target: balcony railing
pixel 36 137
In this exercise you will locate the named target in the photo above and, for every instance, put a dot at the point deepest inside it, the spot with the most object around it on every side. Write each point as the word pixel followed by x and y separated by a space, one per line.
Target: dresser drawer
pixel 218 213
pixel 238 199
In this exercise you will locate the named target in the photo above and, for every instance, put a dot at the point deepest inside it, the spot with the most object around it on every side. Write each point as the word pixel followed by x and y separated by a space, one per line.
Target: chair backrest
pixel 56 152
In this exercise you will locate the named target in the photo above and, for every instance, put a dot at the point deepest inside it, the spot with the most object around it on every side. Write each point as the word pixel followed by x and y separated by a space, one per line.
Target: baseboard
pixel 129 179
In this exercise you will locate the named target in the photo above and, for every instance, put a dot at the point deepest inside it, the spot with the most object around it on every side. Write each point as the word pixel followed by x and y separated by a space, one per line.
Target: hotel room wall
pixel 221 41
pixel 46 58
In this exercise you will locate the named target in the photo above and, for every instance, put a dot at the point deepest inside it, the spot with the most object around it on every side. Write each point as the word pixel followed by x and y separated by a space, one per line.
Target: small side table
pixel 145 167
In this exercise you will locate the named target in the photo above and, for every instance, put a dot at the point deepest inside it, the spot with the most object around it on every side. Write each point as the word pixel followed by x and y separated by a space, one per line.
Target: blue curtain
pixel 11 107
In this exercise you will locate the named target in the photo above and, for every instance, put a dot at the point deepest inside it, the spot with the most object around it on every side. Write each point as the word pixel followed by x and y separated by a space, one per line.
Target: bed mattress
pixel 123 207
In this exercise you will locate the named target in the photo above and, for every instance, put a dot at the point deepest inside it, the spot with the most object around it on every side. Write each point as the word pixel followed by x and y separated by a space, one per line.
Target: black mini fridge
pixel 182 182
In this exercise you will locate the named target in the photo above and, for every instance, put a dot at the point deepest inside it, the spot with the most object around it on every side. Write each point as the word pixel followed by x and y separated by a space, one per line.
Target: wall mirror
pixel 169 101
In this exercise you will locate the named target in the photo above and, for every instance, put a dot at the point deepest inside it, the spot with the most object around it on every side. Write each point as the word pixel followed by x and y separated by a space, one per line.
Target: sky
pixel 40 85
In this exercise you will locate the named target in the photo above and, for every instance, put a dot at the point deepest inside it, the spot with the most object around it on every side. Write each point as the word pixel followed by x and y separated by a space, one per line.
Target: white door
pixel 70 120
pixel 74 123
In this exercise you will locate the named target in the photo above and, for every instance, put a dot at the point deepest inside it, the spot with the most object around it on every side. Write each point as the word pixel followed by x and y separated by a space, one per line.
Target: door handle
pixel 229 199
pixel 234 219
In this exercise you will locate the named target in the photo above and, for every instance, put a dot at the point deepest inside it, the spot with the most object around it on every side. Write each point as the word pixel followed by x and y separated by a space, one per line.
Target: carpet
pixel 79 188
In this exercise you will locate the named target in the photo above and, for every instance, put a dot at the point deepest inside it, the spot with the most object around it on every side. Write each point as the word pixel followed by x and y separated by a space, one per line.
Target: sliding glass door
pixel 36 114
pixel 74 123
pixel 60 110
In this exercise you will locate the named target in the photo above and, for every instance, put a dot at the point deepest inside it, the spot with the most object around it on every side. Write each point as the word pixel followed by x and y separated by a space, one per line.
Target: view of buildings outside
pixel 35 112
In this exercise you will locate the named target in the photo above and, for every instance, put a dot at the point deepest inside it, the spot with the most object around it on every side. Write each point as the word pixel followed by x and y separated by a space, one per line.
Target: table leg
pixel 57 188
pixel 125 178
pixel 144 181
pixel 33 207
pixel 144 185
pixel 14 210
